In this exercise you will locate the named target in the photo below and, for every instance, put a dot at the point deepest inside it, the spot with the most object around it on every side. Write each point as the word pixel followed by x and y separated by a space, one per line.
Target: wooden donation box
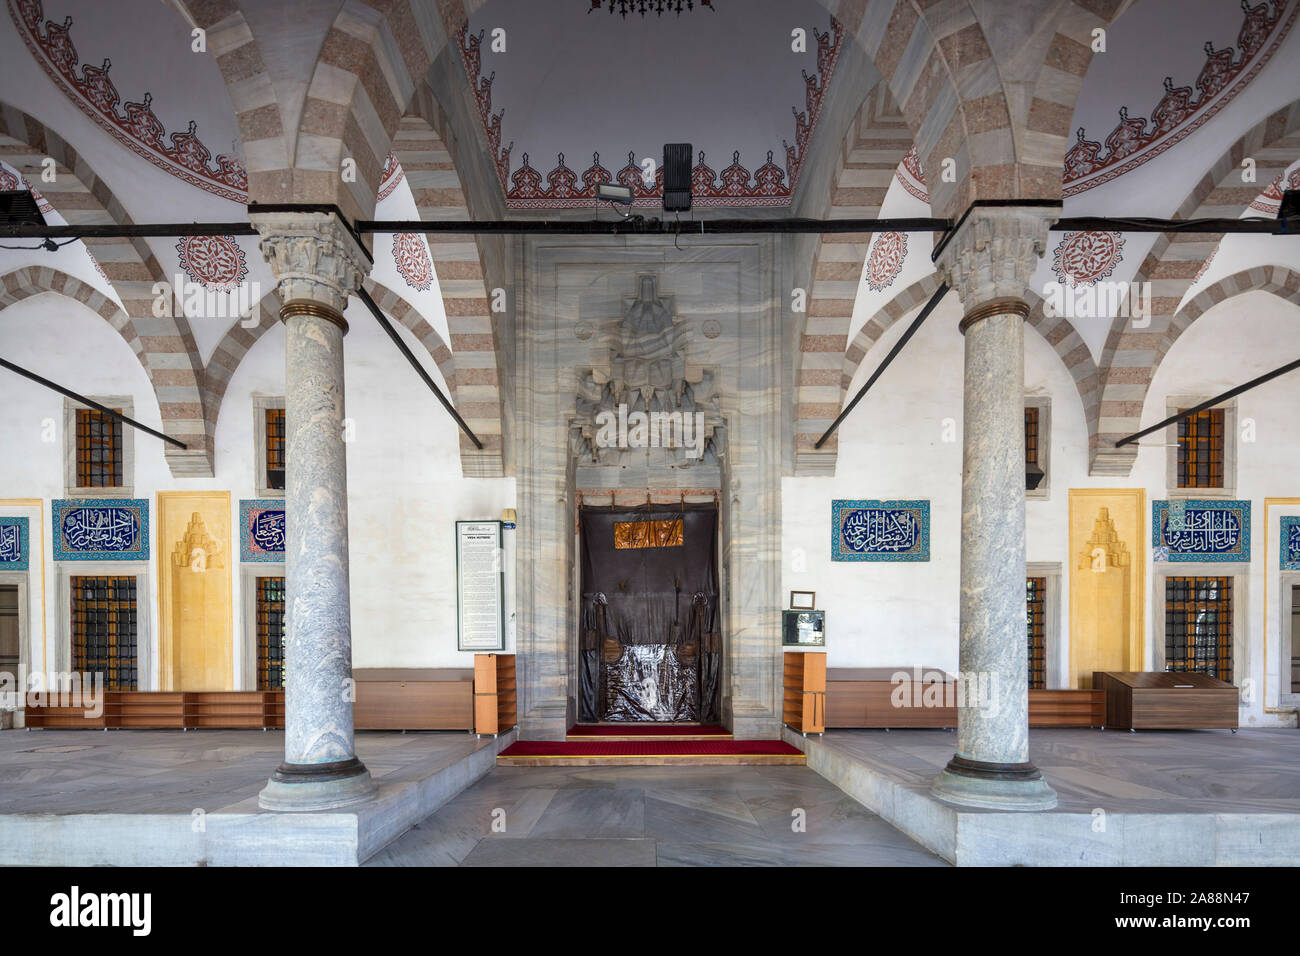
pixel 409 698
pixel 1160 700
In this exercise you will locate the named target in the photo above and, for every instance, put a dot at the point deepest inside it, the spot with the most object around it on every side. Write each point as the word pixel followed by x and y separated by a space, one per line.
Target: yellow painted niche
pixel 194 592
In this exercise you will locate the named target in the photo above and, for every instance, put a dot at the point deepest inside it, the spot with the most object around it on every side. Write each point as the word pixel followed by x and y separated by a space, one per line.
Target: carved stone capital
pixel 994 253
pixel 313 257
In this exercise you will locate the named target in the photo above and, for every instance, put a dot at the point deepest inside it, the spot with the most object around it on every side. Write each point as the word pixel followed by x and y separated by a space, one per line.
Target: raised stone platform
pixel 168 798
pixel 1157 798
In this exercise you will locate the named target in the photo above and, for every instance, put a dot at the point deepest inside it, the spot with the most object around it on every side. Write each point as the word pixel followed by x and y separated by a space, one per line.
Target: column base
pixel 320 786
pixel 993 786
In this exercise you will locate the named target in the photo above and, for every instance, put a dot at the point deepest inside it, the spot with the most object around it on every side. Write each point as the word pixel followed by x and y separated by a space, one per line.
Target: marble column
pixel 317 263
pixel 989 263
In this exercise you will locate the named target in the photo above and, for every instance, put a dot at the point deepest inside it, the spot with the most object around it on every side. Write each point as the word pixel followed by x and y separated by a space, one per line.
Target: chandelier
pixel 657 7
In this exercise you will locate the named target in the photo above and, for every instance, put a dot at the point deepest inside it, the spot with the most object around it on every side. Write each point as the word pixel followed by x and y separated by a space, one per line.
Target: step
pixel 631 731
pixel 650 753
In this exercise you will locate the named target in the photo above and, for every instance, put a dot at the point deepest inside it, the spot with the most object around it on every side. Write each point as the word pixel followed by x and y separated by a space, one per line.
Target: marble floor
pixel 170 771
pixel 653 816
pixel 1152 771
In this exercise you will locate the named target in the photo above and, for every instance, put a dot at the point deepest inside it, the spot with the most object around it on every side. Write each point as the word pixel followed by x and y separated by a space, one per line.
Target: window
pixel 1031 435
pixel 1036 617
pixel 269 445
pixel 275 448
pixel 104 630
pixel 1201 453
pixel 1198 625
pixel 270 633
pixel 1038 428
pixel 99 449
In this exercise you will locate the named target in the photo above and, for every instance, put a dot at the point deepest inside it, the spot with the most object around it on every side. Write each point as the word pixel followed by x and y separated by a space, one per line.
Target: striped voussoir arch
pixel 424 145
pixel 873 147
pixel 1132 351
pixel 238 340
pixel 1060 80
pixel 1058 331
pixel 164 344
pixel 1275 280
pixel 34 280
pixel 370 63
pixel 248 81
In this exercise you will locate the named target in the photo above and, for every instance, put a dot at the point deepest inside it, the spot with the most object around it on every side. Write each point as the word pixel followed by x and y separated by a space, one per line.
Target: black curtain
pixel 649 643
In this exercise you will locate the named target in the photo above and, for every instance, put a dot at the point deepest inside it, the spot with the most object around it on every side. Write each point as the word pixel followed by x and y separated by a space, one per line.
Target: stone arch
pixel 1275 280
pixel 1131 354
pixel 874 144
pixel 1058 331
pixel 82 198
pixel 33 280
pixel 257 110
pixel 425 145
pixel 237 341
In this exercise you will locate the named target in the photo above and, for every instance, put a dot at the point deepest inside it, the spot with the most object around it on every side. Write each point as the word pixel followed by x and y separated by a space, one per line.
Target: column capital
pixel 313 256
pixel 992 256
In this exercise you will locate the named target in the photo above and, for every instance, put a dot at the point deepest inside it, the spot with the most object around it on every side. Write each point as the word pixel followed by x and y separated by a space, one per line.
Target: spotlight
pixel 612 192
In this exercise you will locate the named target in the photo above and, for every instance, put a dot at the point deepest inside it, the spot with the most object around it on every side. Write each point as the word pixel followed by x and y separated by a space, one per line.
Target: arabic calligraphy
pixel 1205 531
pixel 874 530
pixel 11 544
pixel 1291 543
pixel 268 530
pixel 100 529
pixel 880 530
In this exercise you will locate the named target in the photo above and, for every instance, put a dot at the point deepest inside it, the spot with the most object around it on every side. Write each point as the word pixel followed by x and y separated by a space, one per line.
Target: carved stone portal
pixel 647 396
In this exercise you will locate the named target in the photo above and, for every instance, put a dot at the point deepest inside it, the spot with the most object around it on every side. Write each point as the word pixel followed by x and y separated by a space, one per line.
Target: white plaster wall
pixel 405 488
pixel 895 613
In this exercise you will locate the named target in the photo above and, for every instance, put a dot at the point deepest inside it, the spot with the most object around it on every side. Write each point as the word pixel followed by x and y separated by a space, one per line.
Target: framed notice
pixel 480 587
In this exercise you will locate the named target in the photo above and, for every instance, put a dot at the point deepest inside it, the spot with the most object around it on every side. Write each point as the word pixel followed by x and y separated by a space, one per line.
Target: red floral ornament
pixel 216 262
pixel 1082 258
pixel 886 260
pixel 412 258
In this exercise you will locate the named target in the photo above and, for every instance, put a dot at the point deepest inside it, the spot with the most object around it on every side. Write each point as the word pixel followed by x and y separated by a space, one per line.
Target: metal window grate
pixel 104 629
pixel 1198 626
pixel 275 448
pixel 1031 436
pixel 1036 617
pixel 270 633
pixel 99 449
pixel 1200 450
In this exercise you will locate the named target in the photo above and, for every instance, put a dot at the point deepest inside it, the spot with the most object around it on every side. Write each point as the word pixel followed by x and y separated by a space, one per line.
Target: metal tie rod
pixel 91 403
pixel 939 293
pixel 415 364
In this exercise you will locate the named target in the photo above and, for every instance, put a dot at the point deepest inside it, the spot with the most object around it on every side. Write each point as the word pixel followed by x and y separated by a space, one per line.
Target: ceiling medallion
pixel 657 7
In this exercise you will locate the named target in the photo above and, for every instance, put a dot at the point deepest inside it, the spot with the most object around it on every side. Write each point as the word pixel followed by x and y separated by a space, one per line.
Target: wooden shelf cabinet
pixel 439 698
pixel 166 710
pixel 804 706
pixel 495 700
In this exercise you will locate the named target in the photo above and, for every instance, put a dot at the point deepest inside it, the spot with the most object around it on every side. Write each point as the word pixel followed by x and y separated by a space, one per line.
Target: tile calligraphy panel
pixel 1290 543
pixel 1196 529
pixel 14 544
pixel 101 529
pixel 880 530
pixel 261 529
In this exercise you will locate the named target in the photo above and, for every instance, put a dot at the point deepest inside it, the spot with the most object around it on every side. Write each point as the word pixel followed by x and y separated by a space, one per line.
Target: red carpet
pixel 588 752
pixel 647 730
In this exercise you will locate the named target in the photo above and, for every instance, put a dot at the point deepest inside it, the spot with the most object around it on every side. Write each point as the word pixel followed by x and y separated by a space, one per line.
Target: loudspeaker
pixel 677 177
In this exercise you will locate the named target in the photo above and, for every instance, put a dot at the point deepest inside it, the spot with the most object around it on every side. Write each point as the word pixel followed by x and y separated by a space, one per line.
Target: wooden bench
pixel 408 698
pixel 859 697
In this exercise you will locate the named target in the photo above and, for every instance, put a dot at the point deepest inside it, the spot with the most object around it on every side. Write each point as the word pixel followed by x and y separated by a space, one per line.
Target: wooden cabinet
pixel 804 708
pixel 409 698
pixel 495 702
pixel 1159 700
pixel 1067 708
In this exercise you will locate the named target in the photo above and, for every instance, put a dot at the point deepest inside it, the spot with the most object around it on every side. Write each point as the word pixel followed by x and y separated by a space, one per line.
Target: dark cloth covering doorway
pixel 649 648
